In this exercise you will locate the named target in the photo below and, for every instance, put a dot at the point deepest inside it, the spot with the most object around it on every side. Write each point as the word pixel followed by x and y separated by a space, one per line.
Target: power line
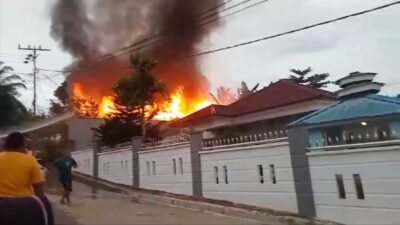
pixel 51 80
pixel 292 31
pixel 234 12
pixel 32 57
pixel 263 38
pixel 154 37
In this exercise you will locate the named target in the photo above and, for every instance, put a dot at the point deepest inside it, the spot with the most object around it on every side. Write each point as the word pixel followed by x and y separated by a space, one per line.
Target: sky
pixel 369 43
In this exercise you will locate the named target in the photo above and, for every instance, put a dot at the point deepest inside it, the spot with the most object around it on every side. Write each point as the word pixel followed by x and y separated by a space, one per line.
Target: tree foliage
pixel 245 91
pixel 138 93
pixel 116 130
pixel 303 77
pixel 61 104
pixel 224 96
pixel 12 111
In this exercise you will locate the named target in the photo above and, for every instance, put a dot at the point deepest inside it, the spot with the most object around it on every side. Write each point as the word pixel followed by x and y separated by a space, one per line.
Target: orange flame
pixel 177 107
pixel 106 107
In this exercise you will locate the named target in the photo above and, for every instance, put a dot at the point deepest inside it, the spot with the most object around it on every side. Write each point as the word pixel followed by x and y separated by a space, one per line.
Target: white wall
pixel 164 178
pixel 116 166
pixel 379 168
pixel 243 176
pixel 84 158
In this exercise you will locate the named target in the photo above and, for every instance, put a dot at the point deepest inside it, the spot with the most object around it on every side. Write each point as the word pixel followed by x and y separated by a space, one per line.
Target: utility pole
pixel 33 57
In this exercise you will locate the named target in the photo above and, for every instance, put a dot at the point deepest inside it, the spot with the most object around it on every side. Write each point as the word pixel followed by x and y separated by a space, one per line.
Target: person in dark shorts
pixel 64 166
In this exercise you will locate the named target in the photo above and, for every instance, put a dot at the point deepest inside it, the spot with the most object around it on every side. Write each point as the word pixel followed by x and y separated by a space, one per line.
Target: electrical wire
pixel 263 38
pixel 154 37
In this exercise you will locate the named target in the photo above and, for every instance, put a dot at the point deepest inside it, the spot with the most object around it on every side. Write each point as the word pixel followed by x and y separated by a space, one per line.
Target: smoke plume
pixel 88 29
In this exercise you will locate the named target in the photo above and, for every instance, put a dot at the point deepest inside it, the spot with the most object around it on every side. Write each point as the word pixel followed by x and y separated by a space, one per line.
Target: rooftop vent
pixel 358 84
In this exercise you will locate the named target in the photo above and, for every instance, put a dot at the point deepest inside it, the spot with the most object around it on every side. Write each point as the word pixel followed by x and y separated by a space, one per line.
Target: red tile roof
pixel 281 93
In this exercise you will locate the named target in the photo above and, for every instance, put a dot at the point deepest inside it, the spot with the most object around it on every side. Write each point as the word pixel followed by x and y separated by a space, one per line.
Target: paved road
pixel 110 208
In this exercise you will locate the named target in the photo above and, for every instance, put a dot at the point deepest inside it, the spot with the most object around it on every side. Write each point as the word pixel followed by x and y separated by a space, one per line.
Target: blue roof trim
pixel 363 107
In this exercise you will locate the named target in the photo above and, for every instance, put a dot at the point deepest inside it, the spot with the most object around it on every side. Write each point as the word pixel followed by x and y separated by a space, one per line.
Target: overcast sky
pixel 369 43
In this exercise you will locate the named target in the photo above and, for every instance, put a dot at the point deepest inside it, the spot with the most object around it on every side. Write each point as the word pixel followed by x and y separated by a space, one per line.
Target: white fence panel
pixel 256 174
pixel 378 168
pixel 166 168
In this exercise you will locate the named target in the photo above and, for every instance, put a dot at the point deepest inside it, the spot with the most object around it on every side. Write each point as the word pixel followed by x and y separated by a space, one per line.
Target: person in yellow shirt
pixel 20 173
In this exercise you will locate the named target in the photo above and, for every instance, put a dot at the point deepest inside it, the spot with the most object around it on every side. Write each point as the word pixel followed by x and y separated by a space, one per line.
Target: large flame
pixel 177 107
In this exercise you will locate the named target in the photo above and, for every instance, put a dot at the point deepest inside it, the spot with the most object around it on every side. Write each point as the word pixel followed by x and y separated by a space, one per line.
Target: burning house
pixel 159 30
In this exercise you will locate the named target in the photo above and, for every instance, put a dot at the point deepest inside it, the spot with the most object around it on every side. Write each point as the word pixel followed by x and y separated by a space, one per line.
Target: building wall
pixel 116 166
pixel 80 130
pixel 84 158
pixel 162 177
pixel 243 178
pixel 378 168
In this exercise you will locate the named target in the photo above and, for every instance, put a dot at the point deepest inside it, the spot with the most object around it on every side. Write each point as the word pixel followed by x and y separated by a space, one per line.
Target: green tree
pixel 245 91
pixel 116 130
pixel 12 111
pixel 122 125
pixel 138 93
pixel 61 104
pixel 303 77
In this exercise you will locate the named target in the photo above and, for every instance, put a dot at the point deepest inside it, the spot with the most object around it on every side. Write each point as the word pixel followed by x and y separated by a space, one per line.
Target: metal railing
pixel 270 135
pixel 354 138
pixel 172 140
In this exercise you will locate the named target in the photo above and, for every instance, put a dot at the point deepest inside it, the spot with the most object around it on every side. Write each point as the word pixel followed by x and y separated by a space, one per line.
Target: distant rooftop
pixel 357 83
pixel 362 107
pixel 282 93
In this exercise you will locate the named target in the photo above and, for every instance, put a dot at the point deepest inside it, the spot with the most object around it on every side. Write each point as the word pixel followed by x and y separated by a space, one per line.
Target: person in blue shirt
pixel 64 166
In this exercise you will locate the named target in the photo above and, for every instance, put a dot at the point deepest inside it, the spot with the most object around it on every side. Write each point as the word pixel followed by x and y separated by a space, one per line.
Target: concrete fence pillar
pixel 136 145
pixel 195 147
pixel 96 151
pixel 298 142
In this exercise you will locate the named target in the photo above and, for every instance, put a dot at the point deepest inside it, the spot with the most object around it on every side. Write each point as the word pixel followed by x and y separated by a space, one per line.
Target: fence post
pixel 195 147
pixel 136 145
pixel 96 151
pixel 298 142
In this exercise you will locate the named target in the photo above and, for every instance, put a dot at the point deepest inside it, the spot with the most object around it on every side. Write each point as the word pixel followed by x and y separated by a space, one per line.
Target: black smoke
pixel 88 29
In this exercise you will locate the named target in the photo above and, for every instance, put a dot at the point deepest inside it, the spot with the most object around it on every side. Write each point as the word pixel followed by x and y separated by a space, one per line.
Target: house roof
pixel 361 107
pixel 281 93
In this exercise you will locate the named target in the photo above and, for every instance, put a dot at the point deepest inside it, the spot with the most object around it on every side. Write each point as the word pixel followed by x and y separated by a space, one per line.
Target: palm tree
pixel 139 92
pixel 244 90
pixel 12 111
pixel 224 96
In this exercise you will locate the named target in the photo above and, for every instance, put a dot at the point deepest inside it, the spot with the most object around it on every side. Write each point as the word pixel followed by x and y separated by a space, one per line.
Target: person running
pixel 20 173
pixel 64 166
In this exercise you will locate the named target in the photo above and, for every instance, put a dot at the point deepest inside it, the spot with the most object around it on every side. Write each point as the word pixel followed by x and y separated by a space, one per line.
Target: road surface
pixel 111 208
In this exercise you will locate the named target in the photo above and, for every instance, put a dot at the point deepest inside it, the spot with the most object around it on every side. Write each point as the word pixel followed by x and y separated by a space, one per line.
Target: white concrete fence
pixel 357 183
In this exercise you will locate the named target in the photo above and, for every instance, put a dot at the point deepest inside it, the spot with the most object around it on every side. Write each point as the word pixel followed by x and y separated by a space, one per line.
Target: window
pixel 126 165
pixel 261 173
pixel 225 174
pixel 148 168
pixel 104 168
pixel 272 171
pixel 340 186
pixel 216 174
pixel 122 166
pixel 181 165
pixel 358 185
pixel 174 166
pixel 154 168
